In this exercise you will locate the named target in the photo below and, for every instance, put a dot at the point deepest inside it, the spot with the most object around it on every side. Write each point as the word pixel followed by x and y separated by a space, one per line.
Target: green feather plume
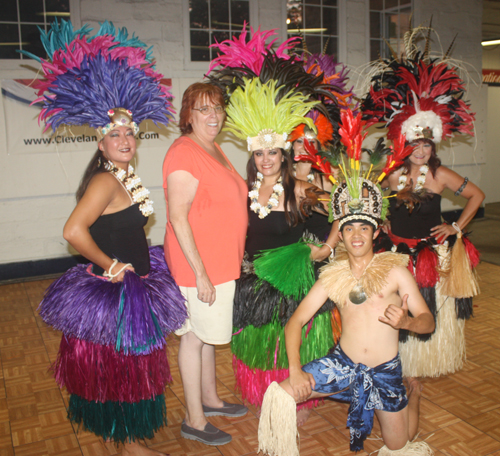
pixel 385 206
pixel 253 108
pixel 333 153
pixel 378 152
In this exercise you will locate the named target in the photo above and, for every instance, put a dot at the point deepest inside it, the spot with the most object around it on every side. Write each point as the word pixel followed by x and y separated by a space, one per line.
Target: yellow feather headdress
pixel 253 114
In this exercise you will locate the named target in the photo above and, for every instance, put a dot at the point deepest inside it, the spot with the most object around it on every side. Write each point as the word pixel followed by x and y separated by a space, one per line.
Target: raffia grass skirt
pixel 444 352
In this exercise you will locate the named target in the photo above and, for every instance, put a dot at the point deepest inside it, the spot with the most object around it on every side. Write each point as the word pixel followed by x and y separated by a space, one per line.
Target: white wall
pixel 491 185
pixel 491 57
pixel 491 181
pixel 37 190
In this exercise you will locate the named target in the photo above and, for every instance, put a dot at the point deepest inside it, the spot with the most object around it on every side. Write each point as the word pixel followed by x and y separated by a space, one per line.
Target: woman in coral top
pixel 204 245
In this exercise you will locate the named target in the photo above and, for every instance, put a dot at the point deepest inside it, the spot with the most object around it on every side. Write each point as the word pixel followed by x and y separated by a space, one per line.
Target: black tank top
pixel 418 223
pixel 121 235
pixel 318 225
pixel 270 232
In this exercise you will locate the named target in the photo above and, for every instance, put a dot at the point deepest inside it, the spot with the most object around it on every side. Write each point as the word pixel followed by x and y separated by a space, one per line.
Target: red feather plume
pixel 352 133
pixel 317 161
pixel 395 160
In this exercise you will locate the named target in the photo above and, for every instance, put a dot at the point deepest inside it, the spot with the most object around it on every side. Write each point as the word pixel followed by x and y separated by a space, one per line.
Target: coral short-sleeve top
pixel 218 216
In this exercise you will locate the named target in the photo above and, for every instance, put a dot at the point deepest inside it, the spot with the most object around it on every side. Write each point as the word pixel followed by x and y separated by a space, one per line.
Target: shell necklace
pixel 424 169
pixel 132 183
pixel 253 194
pixel 357 295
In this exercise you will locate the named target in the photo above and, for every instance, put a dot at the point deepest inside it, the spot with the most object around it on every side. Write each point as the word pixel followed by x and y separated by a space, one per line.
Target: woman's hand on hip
pixel 441 232
pixel 119 277
pixel 206 291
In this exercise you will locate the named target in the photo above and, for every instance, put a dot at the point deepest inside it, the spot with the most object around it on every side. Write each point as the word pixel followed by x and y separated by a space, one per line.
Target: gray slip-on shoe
pixel 209 436
pixel 228 409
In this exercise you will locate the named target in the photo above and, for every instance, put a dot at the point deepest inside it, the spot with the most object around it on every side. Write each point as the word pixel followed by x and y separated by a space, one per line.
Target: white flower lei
pixel 424 169
pixel 253 194
pixel 132 183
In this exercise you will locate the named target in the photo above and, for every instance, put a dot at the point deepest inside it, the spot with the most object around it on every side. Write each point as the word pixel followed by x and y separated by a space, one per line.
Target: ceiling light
pixel 307 30
pixel 54 13
pixel 490 43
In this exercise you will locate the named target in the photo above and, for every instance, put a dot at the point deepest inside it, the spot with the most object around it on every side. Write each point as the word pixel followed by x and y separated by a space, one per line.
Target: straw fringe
pixel 338 279
pixel 458 278
pixel 278 434
pixel 410 449
pixel 444 352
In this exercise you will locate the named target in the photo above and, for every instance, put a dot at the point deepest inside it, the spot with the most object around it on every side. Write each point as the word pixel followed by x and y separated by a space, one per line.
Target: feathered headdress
pixel 359 196
pixel 418 97
pixel 253 114
pixel 239 52
pixel 323 126
pixel 102 81
pixel 334 74
pixel 239 61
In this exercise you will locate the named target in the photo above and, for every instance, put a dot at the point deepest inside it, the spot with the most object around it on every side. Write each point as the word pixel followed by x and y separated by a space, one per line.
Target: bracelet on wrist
pixel 110 275
pixel 332 251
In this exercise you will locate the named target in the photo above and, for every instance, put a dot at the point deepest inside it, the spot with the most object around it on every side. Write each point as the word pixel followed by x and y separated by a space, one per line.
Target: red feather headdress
pixel 419 98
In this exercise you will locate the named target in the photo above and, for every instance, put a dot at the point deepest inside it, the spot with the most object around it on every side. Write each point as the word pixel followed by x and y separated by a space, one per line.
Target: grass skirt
pixel 443 351
pixel 112 357
pixel 134 315
pixel 259 354
pixel 260 314
pixel 99 373
pixel 119 421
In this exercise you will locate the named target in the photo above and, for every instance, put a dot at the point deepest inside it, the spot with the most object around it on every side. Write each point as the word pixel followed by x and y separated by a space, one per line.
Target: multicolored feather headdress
pixel 239 61
pixel 239 53
pixel 254 115
pixel 103 81
pixel 418 97
pixel 359 196
pixel 334 74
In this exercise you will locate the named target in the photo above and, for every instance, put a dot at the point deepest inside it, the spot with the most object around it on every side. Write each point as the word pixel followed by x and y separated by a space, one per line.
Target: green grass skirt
pixel 119 421
pixel 264 347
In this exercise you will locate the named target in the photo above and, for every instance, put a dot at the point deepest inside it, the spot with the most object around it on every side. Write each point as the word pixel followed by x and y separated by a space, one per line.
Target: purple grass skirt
pixel 134 316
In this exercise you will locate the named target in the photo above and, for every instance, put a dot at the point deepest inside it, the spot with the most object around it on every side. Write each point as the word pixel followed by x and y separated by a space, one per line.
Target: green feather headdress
pixel 253 114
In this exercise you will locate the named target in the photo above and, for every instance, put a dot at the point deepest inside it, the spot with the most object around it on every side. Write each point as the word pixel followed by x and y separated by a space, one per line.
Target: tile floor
pixel 460 413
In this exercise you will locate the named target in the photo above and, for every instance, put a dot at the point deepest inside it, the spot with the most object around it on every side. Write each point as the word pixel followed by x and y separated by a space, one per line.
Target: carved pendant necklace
pixel 357 295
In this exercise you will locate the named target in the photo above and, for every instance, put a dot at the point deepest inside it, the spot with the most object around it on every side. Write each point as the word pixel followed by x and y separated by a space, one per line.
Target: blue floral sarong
pixel 366 388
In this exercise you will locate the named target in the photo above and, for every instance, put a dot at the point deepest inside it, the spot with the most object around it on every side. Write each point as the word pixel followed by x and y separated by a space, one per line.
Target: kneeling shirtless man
pixel 375 294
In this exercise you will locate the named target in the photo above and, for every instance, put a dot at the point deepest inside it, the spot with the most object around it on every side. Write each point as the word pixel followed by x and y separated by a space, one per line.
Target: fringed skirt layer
pixel 261 312
pixel 112 357
pixel 443 351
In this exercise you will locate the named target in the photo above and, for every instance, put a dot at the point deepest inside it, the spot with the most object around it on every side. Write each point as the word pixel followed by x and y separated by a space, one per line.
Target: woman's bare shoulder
pixel 447 177
pixel 103 185
pixel 106 179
